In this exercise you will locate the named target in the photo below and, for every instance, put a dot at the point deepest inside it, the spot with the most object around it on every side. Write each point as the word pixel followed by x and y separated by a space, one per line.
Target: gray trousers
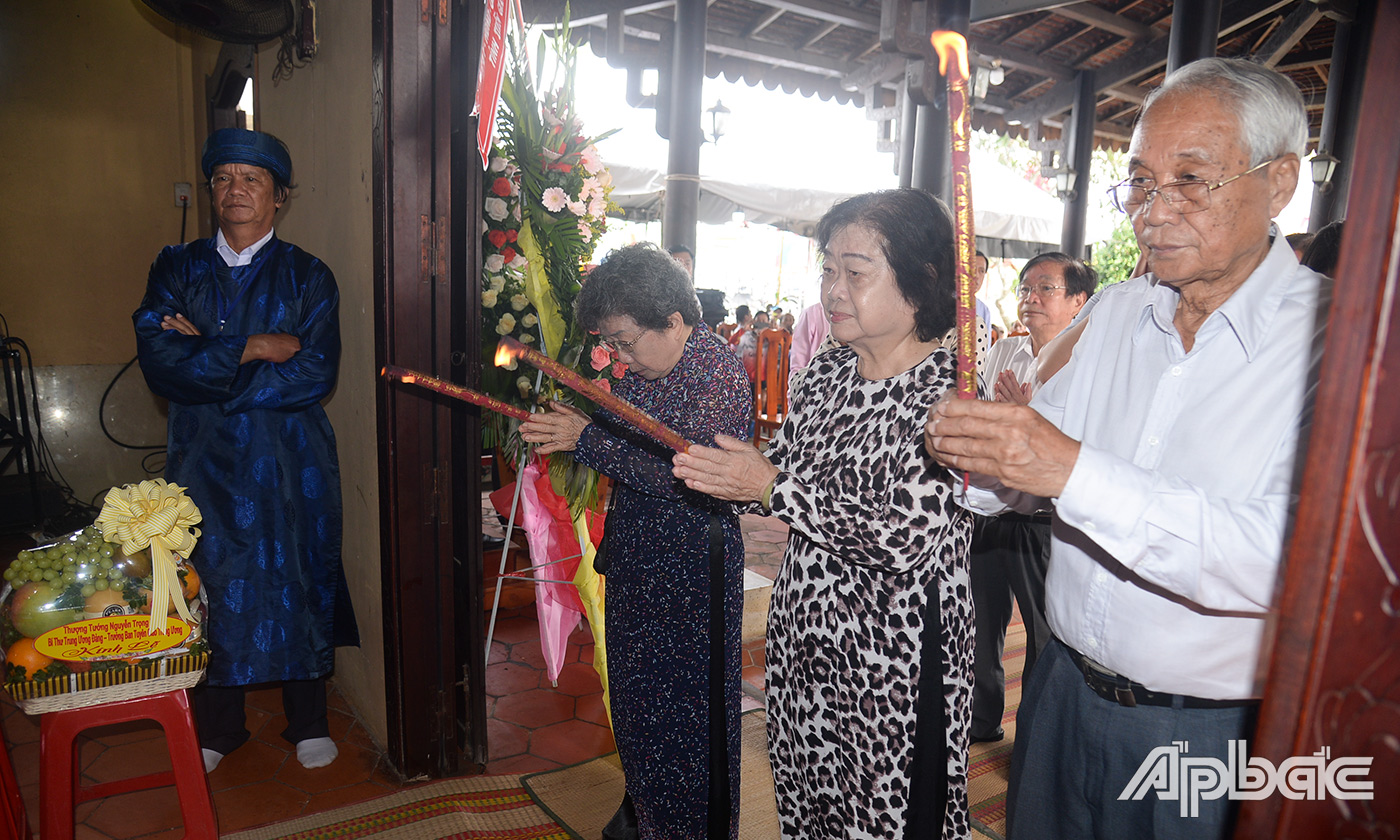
pixel 1076 752
pixel 1009 556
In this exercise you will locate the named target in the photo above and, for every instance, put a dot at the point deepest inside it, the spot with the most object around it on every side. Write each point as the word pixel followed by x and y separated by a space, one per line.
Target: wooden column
pixel 1195 31
pixel 1079 149
pixel 683 151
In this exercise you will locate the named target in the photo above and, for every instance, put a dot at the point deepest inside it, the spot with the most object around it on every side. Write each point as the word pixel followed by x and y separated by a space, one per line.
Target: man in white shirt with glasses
pixel 1168 447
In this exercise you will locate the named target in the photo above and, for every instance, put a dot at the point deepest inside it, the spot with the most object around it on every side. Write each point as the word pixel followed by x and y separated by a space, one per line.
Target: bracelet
pixel 767 499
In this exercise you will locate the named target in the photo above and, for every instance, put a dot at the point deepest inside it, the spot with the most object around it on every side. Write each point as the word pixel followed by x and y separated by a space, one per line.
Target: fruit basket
pixel 78 621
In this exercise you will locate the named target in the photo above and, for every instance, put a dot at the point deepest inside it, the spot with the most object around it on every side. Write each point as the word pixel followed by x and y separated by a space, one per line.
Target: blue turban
pixel 239 145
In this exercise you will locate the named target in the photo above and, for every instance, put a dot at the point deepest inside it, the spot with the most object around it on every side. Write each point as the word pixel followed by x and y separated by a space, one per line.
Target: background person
pixel 686 257
pixel 1169 446
pixel 875 537
pixel 241 334
pixel 1010 551
pixel 675 557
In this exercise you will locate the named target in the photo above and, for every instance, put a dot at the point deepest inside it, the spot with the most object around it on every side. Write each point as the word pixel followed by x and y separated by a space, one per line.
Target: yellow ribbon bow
pixel 159 515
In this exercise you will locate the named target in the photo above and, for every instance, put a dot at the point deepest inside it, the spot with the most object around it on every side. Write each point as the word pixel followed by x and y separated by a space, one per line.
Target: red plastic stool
pixel 60 786
pixel 14 824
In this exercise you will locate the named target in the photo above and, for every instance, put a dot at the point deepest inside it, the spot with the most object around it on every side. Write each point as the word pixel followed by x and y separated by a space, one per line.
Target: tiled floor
pixel 532 726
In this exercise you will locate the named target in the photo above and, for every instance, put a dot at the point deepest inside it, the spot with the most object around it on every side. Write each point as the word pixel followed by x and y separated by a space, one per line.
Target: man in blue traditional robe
pixel 241 334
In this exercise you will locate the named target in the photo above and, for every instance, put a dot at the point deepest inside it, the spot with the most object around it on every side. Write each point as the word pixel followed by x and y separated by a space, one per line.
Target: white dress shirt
pixel 233 258
pixel 1169 532
pixel 1012 353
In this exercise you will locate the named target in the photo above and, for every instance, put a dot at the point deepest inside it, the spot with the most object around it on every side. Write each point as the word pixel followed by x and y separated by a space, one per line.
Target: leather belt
pixel 1116 688
pixel 1041 518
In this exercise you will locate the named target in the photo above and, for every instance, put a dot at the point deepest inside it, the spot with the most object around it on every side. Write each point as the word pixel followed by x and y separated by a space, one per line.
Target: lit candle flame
pixel 503 355
pixel 950 45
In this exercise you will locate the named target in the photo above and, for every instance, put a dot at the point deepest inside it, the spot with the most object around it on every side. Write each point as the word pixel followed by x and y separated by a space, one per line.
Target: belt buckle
pixel 1125 696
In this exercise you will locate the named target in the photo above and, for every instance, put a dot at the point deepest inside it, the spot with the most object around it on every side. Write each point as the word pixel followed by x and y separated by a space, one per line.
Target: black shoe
pixel 489 542
pixel 988 739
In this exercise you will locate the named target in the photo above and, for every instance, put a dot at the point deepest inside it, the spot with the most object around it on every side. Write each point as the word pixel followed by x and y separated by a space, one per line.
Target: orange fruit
pixel 189 582
pixel 23 653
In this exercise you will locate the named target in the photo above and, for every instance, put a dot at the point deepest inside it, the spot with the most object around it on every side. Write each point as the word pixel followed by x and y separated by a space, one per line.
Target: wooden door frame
pixel 1334 675
pixel 420 285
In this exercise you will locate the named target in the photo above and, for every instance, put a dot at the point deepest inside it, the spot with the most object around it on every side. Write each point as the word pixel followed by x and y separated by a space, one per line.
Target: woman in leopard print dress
pixel 853 655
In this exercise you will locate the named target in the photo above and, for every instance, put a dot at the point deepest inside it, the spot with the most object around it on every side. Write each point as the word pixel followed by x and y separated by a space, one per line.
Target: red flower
pixel 618 369
pixel 511 235
pixel 497 238
pixel 501 187
pixel 508 254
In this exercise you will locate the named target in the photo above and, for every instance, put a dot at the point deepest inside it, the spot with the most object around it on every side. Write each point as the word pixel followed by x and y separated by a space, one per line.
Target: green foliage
pixel 1115 259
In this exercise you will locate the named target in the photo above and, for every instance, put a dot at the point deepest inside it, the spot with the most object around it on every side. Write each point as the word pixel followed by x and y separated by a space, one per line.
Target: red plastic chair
pixel 14 825
pixel 771 383
pixel 60 784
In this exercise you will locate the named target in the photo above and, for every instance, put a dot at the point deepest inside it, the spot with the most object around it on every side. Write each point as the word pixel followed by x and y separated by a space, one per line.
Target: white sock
pixel 316 752
pixel 211 760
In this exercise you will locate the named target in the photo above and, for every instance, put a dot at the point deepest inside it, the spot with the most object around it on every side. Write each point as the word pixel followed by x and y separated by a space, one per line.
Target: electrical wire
pixel 184 215
pixel 76 509
pixel 102 413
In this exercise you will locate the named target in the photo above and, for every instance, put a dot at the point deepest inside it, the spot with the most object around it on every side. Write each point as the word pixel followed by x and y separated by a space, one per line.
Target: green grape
pixel 70 559
pixel 106 562
pixel 9 575
pixel 24 554
pixel 54 553
pixel 50 575
pixel 108 550
pixel 115 574
pixel 69 576
pixel 89 589
pixel 99 585
pixel 46 563
pixel 30 564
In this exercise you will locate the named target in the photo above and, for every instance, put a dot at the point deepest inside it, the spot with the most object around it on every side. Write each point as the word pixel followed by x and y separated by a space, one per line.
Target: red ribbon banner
pixel 490 73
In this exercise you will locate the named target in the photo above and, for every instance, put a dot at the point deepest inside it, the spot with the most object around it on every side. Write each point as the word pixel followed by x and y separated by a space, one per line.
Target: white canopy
pixel 1004 206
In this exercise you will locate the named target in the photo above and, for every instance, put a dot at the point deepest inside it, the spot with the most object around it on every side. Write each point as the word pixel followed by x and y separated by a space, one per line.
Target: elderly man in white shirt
pixel 1010 552
pixel 1168 447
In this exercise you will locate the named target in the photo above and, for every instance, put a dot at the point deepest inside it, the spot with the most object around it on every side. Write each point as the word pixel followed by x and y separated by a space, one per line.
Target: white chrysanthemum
pixel 506 324
pixel 498 164
pixel 519 302
pixel 529 320
pixel 488 298
pixel 495 208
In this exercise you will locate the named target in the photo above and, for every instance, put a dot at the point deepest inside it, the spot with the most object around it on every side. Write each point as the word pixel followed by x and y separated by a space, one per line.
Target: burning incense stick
pixel 509 349
pixel 952 62
pixel 432 383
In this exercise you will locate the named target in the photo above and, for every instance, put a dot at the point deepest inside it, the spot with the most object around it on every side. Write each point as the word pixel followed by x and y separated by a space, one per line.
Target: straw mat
pixel 990 764
pixel 582 798
pixel 474 808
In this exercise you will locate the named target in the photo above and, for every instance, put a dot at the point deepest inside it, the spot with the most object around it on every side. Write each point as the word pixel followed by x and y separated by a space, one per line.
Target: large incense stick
pixel 432 383
pixel 952 62
pixel 509 349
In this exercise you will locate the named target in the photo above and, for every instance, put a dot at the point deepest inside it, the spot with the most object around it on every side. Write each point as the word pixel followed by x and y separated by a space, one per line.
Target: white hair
pixel 1273 120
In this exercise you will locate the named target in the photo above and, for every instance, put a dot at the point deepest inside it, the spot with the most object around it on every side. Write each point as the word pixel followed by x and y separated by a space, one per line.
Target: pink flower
pixel 618 369
pixel 554 199
pixel 602 382
pixel 591 160
pixel 600 358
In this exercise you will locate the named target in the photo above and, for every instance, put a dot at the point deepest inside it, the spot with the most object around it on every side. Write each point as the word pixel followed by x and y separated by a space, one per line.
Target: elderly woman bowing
pixel 852 652
pixel 675 557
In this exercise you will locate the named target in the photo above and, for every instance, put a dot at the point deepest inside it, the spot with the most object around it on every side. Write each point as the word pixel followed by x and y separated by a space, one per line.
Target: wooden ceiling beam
pixel 1101 18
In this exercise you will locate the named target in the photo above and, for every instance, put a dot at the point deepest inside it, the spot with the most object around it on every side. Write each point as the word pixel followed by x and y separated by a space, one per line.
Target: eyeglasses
pixel 615 346
pixel 1133 198
pixel 1043 290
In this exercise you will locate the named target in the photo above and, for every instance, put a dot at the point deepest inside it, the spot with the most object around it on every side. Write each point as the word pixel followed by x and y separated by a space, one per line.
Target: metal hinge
pixel 434 242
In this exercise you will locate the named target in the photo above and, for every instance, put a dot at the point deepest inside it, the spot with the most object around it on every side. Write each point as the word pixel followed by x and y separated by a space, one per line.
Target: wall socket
pixel 184 195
